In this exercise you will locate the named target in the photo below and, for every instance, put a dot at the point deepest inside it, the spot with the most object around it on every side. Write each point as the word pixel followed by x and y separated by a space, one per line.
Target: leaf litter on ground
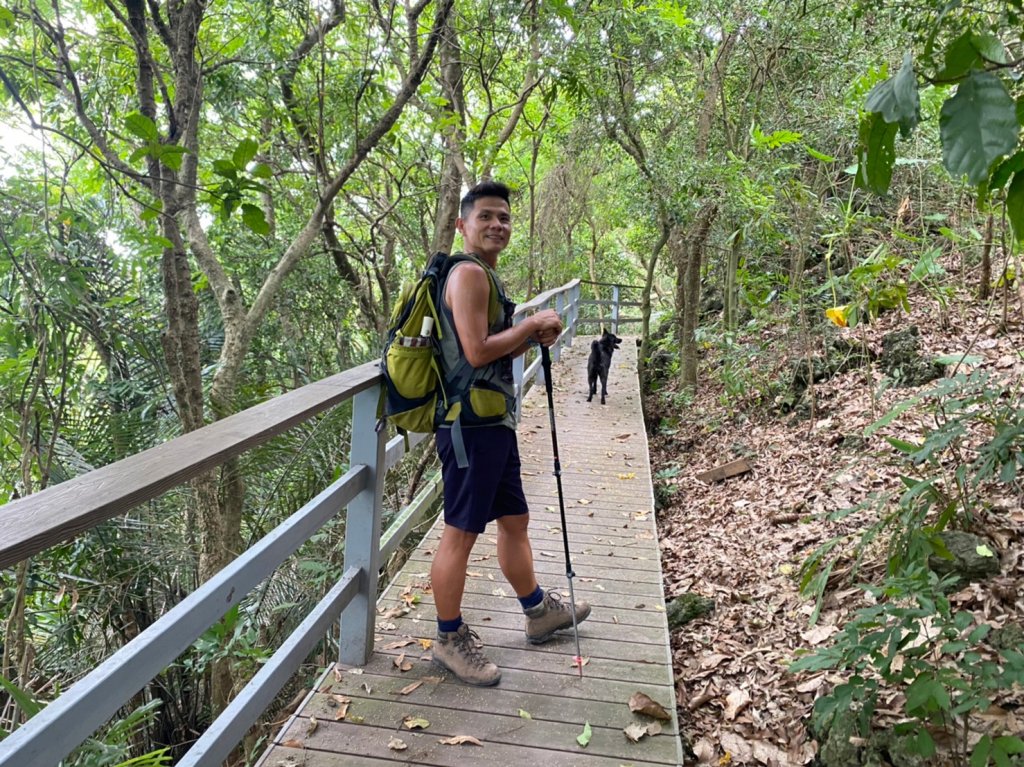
pixel 741 541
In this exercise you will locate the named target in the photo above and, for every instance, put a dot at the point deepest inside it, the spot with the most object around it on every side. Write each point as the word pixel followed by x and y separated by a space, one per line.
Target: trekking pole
pixel 545 358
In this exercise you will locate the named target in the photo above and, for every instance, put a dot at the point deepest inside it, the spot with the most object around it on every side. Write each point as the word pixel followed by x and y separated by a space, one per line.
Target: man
pixel 489 488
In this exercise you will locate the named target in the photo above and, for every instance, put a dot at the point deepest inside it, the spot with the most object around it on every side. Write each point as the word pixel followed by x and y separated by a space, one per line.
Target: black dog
pixel 600 361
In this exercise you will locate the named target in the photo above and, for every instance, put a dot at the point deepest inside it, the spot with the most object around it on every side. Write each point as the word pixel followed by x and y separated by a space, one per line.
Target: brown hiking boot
pixel 552 615
pixel 459 652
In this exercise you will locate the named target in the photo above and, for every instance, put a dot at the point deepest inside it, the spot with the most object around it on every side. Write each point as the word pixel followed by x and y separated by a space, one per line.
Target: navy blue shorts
pixel 490 487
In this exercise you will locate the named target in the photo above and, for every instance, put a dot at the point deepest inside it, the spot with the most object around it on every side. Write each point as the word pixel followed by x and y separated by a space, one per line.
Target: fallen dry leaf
pixel 426 644
pixel 342 712
pixel 635 731
pixel 397 744
pixel 410 687
pixel 399 643
pixel 312 725
pixel 736 701
pixel 458 740
pixel 641 703
pixel 293 744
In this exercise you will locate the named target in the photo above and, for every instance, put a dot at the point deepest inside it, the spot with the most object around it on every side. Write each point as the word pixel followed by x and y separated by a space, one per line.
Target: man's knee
pixel 514 524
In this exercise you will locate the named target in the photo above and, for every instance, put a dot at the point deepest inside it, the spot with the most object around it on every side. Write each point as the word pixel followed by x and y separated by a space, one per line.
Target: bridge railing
pixel 32 524
pixel 609 305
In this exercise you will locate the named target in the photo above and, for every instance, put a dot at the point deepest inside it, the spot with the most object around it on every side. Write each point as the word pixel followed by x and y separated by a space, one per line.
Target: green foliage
pixel 979 123
pixel 978 126
pixel 873 286
pixel 911 639
pixel 110 751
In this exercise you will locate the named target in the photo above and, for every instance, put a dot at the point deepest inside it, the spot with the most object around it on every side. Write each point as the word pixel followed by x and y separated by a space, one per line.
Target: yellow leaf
pixel 414 722
pixel 631 475
pixel 838 315
pixel 786 568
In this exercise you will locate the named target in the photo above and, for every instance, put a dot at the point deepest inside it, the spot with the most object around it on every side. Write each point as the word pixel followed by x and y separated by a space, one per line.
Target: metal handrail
pixel 48 517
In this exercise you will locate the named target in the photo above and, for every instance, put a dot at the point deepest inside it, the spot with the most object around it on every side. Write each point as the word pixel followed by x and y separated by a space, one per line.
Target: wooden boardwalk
pixel 533 717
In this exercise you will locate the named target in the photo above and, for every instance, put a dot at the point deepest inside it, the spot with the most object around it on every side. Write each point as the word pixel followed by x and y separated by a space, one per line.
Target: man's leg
pixel 456 647
pixel 515 555
pixel 448 571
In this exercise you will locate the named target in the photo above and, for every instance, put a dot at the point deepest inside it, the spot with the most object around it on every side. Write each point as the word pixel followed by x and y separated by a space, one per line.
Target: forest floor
pixel 742 541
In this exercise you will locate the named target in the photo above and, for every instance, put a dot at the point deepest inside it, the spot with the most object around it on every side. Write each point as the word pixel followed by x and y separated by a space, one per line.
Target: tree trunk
pixel 985 283
pixel 645 313
pixel 453 87
pixel 731 287
pixel 688 295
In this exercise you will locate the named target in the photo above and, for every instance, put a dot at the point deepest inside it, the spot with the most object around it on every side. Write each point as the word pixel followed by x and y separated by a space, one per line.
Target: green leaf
pixel 979 756
pixel 925 744
pixel 819 155
pixel 252 217
pixel 262 170
pixel 6 19
pixel 961 57
pixel 904 447
pixel 171 155
pixel 225 168
pixel 977 125
pixel 1015 205
pixel 983 551
pixel 956 359
pixel 584 737
pixel 1010 744
pixel 1005 169
pixel 244 153
pixel 25 702
pixel 897 98
pixel 140 125
pixel 990 48
pixel 524 714
pixel 877 153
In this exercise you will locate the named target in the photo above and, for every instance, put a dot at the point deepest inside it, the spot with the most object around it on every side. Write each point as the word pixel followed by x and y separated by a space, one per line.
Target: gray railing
pixel 56 514
pixel 593 315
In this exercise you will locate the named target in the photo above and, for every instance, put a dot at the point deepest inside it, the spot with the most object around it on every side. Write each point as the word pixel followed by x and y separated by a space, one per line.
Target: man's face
pixel 487 228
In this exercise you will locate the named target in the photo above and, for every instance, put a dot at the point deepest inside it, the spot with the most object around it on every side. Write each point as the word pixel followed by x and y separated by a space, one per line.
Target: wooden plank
pixel 494 720
pixel 540 705
pixel 58 513
pixel 726 470
pixel 424 750
pixel 514 680
pixel 497 730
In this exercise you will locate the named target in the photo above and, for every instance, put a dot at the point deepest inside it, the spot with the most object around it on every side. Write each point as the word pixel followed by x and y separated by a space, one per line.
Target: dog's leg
pixel 604 385
pixel 592 381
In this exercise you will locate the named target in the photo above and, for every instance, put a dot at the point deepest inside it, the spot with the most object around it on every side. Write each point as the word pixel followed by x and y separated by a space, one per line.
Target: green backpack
pixel 410 363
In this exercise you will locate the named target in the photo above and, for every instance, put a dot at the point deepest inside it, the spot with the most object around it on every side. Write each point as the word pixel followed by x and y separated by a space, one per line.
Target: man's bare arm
pixel 468 294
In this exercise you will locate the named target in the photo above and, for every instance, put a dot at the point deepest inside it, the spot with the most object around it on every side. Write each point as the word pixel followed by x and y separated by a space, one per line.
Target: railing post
pixel 574 311
pixel 615 309
pixel 556 352
pixel 362 531
pixel 518 370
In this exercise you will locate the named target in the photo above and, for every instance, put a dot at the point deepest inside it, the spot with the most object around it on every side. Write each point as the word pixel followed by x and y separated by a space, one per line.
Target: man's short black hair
pixel 483 189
